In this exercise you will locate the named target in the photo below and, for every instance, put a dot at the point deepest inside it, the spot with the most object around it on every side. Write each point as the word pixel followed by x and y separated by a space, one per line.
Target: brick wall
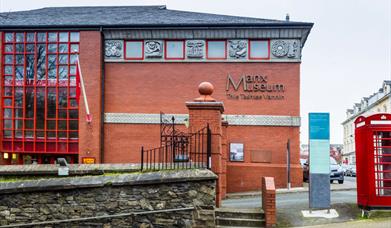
pixel 269 201
pixel 91 67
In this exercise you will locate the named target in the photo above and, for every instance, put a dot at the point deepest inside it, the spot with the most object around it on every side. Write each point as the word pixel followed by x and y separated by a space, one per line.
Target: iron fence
pixel 181 151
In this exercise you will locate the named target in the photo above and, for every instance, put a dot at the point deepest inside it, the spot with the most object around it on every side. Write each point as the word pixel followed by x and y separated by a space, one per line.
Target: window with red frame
pixel 134 50
pixel 259 49
pixel 216 49
pixel 40 110
pixel 175 49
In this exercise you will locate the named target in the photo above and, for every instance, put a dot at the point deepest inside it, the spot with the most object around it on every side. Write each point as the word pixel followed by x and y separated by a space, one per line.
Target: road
pixel 300 198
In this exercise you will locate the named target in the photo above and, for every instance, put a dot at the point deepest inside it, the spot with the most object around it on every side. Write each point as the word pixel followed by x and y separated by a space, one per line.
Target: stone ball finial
pixel 206 88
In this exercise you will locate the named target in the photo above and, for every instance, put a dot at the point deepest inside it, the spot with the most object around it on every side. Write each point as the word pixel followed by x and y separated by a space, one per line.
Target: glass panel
pixel 51 112
pixel 9 59
pixel 52 48
pixel 75 37
pixel 20 59
pixel 259 49
pixel 29 124
pixel 134 49
pixel 63 59
pixel 63 37
pixel 7 134
pixel 72 70
pixel 29 106
pixel 9 48
pixel 19 73
pixel 51 124
pixel 7 113
pixel 72 92
pixel 19 134
pixel 73 125
pixel 19 97
pixel 216 49
pixel 62 113
pixel 73 103
pixel 30 37
pixel 30 48
pixel 62 97
pixel 19 48
pixel 19 37
pixel 73 113
pixel 30 66
pixel 19 113
pixel 40 134
pixel 8 124
pixel 73 134
pixel 62 124
pixel 73 59
pixel 63 48
pixel 19 124
pixel 52 37
pixel 28 134
pixel 7 91
pixel 63 72
pixel 9 37
pixel 8 69
pixel 41 37
pixel 8 102
pixel 62 134
pixel 40 117
pixel 41 62
pixel 174 49
pixel 74 48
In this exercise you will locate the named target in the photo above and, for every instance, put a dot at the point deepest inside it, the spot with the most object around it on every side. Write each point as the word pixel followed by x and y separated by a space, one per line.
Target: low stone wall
pixel 156 199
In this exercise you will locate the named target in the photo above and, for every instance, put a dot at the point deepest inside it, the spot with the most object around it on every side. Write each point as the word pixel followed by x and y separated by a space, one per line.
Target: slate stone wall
pixel 177 199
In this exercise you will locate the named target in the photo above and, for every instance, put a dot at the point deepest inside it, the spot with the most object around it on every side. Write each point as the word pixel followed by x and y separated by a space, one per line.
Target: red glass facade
pixel 39 106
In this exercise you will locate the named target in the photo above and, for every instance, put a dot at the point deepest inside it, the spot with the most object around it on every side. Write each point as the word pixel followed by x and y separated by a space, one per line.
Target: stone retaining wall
pixel 159 199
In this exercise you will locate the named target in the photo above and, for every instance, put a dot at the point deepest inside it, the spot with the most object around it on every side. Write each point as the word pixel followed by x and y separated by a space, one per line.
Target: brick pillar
pixel 91 68
pixel 202 111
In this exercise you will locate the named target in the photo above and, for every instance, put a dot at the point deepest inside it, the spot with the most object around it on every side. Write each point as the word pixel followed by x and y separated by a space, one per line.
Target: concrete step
pixel 253 213
pixel 239 222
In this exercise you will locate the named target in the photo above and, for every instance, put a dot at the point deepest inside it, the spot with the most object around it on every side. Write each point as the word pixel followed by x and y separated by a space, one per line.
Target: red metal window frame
pixel 218 58
pixel 175 58
pixel 39 141
pixel 258 58
pixel 142 50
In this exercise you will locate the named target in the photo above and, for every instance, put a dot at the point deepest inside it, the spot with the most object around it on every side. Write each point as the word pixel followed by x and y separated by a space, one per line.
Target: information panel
pixel 319 160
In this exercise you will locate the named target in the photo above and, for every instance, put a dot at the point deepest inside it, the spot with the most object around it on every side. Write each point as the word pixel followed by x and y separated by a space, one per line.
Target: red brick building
pixel 139 61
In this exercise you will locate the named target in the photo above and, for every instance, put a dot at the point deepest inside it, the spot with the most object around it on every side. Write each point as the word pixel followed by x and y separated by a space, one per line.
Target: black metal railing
pixel 183 151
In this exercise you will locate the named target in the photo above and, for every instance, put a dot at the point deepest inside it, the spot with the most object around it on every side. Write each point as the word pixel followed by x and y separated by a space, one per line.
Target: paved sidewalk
pixel 347 185
pixel 377 223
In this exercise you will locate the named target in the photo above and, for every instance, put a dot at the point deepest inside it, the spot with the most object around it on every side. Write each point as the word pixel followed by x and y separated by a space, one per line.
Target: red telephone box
pixel 373 161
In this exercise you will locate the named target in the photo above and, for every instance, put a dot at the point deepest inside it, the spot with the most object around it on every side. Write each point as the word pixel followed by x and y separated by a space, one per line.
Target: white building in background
pixel 379 102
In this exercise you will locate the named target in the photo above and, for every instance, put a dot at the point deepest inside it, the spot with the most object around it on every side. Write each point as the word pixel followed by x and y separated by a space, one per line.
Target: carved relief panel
pixel 237 49
pixel 114 49
pixel 153 48
pixel 195 49
pixel 285 49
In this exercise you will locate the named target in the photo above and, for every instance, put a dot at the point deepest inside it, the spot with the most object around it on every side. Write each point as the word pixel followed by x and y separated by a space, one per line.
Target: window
pixel 259 49
pixel 40 114
pixel 236 152
pixel 216 49
pixel 175 50
pixel 134 50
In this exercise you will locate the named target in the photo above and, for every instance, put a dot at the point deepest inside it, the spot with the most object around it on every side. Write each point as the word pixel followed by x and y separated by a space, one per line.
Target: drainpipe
pixel 102 114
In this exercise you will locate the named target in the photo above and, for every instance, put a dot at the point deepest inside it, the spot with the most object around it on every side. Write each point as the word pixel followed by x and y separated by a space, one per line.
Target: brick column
pixel 91 67
pixel 269 201
pixel 202 111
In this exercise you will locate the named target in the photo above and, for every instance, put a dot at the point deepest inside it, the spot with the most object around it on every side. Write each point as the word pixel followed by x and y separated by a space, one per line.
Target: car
pixel 336 171
pixel 351 171
pixel 344 168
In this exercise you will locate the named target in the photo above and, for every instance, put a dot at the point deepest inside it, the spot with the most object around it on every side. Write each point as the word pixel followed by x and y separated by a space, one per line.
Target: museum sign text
pixel 253 87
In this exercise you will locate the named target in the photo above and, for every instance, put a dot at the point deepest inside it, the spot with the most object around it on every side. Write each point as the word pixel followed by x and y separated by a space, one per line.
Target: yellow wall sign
pixel 89 160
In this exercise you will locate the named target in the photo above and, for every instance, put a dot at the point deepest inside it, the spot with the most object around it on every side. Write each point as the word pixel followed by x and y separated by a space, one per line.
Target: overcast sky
pixel 346 57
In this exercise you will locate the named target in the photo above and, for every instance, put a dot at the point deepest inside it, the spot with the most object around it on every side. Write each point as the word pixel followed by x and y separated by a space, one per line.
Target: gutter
pixel 102 82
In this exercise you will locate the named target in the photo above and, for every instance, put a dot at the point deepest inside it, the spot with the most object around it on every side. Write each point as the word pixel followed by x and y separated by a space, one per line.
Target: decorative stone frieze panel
pixel 153 48
pixel 285 49
pixel 195 49
pixel 237 49
pixel 114 49
pixel 243 120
